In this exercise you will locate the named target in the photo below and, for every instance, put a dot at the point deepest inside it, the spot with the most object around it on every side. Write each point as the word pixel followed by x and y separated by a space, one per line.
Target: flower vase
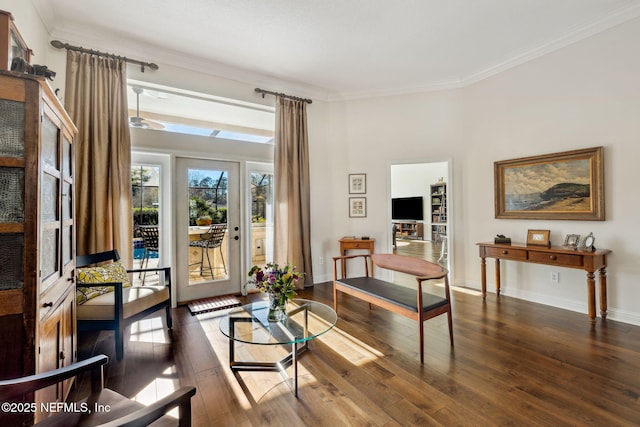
pixel 277 307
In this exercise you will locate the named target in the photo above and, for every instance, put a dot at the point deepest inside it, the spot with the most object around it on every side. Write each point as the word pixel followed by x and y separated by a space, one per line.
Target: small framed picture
pixel 357 207
pixel 538 237
pixel 357 183
pixel 572 240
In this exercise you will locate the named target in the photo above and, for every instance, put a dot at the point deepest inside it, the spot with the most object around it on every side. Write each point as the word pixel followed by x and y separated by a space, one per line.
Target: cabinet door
pixel 50 206
pixel 68 338
pixel 49 350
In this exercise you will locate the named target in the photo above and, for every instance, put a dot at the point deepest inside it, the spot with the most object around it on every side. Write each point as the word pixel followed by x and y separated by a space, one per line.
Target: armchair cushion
pixel 135 300
pixel 110 273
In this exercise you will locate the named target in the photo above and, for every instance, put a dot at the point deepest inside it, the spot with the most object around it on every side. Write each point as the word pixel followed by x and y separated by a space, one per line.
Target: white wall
pixel 585 95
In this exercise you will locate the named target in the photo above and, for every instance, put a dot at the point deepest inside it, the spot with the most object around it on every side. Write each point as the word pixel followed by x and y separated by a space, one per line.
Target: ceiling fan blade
pixel 140 122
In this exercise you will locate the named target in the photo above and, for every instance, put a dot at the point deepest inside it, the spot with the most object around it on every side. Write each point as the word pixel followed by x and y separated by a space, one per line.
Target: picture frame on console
pixel 539 237
pixel 572 240
pixel 567 185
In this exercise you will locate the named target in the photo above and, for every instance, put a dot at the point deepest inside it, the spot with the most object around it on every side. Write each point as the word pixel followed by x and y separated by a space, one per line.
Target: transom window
pixel 169 109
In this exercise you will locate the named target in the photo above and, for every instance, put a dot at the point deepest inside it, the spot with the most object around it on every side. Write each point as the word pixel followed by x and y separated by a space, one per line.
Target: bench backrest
pixel 405 264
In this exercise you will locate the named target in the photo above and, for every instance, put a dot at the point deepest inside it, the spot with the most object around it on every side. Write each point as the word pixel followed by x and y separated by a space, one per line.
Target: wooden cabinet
pixel 409 229
pixel 37 236
pixel 438 211
pixel 11 43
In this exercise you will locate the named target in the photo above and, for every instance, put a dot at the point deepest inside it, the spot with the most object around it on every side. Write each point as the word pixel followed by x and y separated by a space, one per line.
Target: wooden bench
pixel 395 298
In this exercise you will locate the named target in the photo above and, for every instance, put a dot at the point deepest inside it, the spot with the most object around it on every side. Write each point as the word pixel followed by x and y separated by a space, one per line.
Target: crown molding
pixel 164 56
pixel 574 35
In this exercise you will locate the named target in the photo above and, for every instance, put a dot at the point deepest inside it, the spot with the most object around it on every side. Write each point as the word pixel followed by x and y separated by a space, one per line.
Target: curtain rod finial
pixel 57 44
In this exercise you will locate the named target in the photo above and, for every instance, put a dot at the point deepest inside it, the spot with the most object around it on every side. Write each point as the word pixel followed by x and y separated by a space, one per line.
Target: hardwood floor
pixel 514 363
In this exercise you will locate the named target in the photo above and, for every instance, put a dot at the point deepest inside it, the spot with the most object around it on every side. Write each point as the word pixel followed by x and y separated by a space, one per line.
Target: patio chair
pixel 106 301
pixel 210 240
pixel 150 237
pixel 121 410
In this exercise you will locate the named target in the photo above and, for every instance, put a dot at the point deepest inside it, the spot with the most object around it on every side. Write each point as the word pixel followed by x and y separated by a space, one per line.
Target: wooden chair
pixel 122 411
pixel 119 309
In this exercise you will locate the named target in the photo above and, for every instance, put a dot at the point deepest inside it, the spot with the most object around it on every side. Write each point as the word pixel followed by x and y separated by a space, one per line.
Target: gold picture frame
pixel 567 185
pixel 538 237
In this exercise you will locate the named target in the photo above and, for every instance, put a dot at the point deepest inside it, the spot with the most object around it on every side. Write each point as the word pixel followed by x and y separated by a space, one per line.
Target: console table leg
pixel 603 293
pixel 483 276
pixel 498 276
pixel 591 296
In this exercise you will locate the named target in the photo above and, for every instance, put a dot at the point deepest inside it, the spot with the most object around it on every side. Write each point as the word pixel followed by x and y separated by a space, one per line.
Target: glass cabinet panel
pixel 66 158
pixel 49 198
pixel 11 129
pixel 50 253
pixel 11 259
pixel 11 195
pixel 49 143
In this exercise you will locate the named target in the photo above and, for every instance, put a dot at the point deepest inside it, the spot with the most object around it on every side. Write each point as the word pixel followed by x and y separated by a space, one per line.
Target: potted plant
pixel 204 220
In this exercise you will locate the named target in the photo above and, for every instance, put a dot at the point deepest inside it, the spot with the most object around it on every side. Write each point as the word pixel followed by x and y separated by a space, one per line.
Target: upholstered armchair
pixel 121 410
pixel 107 301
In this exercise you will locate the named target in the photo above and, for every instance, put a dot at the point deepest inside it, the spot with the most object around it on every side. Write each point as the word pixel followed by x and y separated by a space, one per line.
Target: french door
pixel 207 215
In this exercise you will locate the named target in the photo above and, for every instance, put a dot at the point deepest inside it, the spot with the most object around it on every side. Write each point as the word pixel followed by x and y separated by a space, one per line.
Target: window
pixel 176 110
pixel 261 216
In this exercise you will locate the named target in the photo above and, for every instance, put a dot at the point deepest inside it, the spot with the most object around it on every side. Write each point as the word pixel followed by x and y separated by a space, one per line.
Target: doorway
pixel 207 218
pixel 426 235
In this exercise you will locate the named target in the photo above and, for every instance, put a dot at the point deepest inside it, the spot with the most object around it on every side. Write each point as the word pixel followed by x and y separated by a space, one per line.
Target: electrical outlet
pixel 321 261
pixel 555 277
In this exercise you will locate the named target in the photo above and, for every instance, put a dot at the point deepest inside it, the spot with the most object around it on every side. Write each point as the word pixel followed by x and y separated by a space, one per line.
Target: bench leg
pixel 450 319
pixel 421 337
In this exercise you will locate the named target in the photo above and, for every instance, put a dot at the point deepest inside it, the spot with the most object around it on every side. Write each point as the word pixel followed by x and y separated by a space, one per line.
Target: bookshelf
pixel 409 229
pixel 438 211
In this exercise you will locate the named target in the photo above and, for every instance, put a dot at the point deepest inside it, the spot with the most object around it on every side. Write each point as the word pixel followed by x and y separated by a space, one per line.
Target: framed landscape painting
pixel 567 185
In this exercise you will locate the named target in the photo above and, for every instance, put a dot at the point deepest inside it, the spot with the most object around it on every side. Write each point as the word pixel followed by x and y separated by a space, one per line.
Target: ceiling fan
pixel 140 122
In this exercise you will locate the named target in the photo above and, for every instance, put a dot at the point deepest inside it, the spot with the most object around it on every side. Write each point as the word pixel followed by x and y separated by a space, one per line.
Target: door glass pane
pixel 145 186
pixel 208 243
pixel 261 217
pixel 67 157
pixel 49 256
pixel 50 185
pixel 49 143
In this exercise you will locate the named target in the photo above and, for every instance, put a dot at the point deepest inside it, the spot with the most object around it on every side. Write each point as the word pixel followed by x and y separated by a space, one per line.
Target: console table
pixel 560 256
pixel 351 244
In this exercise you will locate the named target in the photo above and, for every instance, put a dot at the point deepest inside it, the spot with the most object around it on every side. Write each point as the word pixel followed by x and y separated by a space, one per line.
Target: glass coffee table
pixel 248 324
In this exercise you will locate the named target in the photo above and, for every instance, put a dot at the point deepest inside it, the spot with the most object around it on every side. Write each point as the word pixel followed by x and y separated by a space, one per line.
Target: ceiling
pixel 335 49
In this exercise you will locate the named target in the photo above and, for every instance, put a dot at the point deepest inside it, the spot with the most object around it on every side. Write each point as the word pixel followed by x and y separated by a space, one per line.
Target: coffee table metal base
pixel 279 366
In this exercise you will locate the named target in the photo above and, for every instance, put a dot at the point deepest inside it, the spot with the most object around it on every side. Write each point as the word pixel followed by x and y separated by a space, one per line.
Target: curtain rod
pixel 59 45
pixel 283 95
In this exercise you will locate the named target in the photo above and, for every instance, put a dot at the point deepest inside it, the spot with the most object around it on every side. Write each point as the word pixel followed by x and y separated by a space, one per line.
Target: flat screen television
pixel 409 208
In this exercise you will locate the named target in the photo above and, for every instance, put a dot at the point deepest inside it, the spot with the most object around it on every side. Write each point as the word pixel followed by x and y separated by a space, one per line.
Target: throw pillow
pixel 110 273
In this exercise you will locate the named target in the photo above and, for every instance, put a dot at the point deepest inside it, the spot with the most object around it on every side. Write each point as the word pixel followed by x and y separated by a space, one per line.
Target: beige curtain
pixel 292 225
pixel 96 100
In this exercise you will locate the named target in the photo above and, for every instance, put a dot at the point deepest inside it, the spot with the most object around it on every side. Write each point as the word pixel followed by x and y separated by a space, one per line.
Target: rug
pixel 212 304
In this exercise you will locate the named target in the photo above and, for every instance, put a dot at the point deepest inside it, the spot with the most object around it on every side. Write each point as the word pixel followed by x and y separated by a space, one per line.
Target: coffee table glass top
pixel 306 320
